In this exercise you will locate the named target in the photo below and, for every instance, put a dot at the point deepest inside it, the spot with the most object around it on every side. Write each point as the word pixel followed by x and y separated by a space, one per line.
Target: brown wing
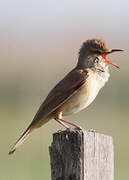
pixel 61 93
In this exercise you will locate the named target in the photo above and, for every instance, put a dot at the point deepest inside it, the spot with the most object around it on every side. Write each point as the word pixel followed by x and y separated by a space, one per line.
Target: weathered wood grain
pixel 81 155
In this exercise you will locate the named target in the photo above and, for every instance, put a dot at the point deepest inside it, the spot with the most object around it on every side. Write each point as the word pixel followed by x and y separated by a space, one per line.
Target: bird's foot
pixel 64 122
pixel 78 127
pixel 68 129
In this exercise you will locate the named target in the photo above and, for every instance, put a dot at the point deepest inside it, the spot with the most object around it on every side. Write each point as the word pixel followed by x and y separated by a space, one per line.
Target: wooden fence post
pixel 81 155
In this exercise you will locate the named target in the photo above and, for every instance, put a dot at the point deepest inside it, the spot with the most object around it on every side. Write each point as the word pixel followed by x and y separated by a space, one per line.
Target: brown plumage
pixel 76 91
pixel 57 97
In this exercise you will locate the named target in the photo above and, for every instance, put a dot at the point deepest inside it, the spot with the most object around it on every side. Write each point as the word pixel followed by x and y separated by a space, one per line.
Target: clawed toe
pixel 78 128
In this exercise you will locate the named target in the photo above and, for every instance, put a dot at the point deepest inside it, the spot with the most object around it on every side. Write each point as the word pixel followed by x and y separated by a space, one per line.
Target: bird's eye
pixel 96 60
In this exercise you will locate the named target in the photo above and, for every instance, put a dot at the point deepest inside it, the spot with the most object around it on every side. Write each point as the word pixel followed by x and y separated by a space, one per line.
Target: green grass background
pixel 39 41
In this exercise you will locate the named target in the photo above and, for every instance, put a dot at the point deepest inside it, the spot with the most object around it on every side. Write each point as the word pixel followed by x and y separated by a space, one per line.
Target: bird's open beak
pixel 109 61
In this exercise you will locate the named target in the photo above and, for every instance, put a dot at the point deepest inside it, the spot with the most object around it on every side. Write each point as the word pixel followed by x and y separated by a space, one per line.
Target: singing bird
pixel 76 90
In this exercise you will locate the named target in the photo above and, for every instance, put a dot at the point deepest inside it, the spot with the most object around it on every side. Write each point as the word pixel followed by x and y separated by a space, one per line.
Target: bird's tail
pixel 21 139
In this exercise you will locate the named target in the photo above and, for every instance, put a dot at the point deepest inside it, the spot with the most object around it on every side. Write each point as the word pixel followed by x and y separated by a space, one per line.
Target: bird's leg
pixel 68 122
pixel 59 121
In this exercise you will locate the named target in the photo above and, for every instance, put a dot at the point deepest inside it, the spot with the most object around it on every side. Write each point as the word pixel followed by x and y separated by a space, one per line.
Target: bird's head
pixel 93 54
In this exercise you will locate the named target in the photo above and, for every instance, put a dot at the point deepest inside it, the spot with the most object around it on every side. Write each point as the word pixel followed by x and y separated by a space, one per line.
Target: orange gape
pixel 109 61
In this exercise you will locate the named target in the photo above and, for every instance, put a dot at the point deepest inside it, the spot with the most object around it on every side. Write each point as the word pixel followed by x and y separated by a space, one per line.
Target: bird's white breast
pixel 86 94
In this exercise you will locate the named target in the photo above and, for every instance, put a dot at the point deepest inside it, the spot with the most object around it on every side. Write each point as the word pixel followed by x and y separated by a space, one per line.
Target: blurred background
pixel 39 42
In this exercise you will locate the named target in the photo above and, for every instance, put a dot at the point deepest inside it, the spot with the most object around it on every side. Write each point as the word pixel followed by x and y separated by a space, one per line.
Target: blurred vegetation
pixel 39 45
